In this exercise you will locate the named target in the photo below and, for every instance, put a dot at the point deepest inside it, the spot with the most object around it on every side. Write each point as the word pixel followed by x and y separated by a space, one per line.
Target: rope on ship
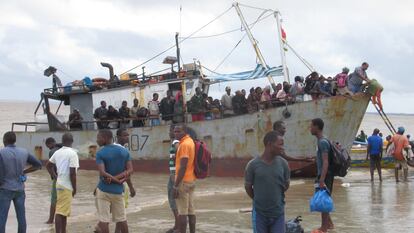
pixel 184 39
pixel 191 36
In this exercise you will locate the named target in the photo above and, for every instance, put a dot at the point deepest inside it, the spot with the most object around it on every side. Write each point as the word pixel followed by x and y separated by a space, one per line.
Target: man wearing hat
pixel 75 120
pixel 342 82
pixel 400 143
pixel 226 102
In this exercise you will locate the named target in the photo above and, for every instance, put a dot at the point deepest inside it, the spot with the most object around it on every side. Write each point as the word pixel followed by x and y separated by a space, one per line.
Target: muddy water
pixel 222 204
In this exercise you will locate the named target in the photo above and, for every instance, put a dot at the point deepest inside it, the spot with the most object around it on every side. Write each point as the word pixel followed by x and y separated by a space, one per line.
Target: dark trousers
pixel 18 198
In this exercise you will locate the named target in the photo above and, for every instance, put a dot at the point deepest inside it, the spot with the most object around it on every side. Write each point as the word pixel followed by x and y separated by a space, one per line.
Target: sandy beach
pixel 222 205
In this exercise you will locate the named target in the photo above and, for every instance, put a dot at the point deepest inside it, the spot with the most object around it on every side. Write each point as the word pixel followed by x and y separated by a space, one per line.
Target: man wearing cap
pixel 342 82
pixel 400 143
pixel 226 102
pixel 75 120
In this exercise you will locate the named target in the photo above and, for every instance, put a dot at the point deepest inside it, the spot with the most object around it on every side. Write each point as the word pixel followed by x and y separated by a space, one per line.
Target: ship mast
pixel 282 49
pixel 254 43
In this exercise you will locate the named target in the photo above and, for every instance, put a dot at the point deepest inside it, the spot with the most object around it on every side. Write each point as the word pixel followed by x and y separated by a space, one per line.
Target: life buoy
pixel 99 80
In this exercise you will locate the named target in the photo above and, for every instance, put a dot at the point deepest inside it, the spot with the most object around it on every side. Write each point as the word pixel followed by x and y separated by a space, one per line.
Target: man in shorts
pixel 66 161
pixel 115 167
pixel 184 179
pixel 122 139
pixel 401 144
pixel 324 179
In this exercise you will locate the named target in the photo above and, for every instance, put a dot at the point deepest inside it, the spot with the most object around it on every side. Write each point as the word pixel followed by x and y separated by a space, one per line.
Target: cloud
pixel 76 35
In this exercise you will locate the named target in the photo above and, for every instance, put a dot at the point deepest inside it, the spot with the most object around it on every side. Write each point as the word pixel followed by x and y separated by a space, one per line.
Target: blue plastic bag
pixel 321 202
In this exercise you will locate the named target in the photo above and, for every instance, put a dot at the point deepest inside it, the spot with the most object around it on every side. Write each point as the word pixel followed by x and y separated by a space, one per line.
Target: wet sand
pixel 361 206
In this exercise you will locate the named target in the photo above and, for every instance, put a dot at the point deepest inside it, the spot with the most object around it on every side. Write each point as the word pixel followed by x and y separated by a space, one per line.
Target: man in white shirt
pixel 67 162
pixel 226 102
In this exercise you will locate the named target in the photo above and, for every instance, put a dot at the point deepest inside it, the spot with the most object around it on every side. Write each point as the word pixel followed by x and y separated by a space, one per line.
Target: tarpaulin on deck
pixel 259 72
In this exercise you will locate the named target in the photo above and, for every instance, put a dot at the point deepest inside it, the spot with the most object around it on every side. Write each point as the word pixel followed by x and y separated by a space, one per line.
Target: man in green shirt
pixel 267 178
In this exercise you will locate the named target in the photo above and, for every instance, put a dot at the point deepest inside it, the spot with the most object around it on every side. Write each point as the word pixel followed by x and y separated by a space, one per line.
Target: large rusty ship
pixel 233 141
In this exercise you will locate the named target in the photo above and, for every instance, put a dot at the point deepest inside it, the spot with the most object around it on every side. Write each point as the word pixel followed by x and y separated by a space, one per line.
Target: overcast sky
pixel 75 35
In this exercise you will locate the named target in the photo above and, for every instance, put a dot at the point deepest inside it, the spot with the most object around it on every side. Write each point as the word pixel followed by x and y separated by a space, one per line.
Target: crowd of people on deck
pixel 172 109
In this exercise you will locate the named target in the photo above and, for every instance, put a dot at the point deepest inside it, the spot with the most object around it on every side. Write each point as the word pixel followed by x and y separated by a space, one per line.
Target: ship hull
pixel 233 141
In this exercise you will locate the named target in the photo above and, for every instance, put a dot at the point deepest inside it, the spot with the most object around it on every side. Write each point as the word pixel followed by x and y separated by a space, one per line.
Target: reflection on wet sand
pixel 222 204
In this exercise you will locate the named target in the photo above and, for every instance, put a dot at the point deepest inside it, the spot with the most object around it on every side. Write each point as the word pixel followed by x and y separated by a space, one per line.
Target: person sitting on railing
pixel 167 108
pixel 154 110
pixel 113 115
pixel 101 115
pixel 124 115
pixel 266 98
pixel 197 108
pixel 226 103
pixel 178 109
pixel 297 89
pixel 75 120
pixel 133 112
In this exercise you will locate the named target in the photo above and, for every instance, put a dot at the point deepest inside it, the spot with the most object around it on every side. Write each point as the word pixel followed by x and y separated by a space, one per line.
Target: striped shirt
pixel 171 162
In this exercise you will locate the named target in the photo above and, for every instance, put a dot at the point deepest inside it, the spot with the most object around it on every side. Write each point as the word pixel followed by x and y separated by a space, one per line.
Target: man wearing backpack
pixel 342 82
pixel 184 179
pixel 325 178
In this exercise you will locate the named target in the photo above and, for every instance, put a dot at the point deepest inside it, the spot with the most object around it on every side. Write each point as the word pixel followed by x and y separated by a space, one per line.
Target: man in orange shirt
pixel 401 143
pixel 184 179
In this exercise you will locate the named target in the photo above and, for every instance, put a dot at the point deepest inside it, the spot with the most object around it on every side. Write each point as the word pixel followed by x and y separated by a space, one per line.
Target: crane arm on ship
pixel 254 43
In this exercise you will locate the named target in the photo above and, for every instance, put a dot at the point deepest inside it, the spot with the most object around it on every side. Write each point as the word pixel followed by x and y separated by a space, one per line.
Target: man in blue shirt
pixel 115 167
pixel 374 152
pixel 13 162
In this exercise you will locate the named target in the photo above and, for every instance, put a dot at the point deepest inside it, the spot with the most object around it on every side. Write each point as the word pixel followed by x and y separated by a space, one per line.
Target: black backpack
pixel 339 160
pixel 293 225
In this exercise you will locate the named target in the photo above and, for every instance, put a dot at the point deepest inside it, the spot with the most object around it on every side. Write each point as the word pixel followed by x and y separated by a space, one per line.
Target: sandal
pixel 318 231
